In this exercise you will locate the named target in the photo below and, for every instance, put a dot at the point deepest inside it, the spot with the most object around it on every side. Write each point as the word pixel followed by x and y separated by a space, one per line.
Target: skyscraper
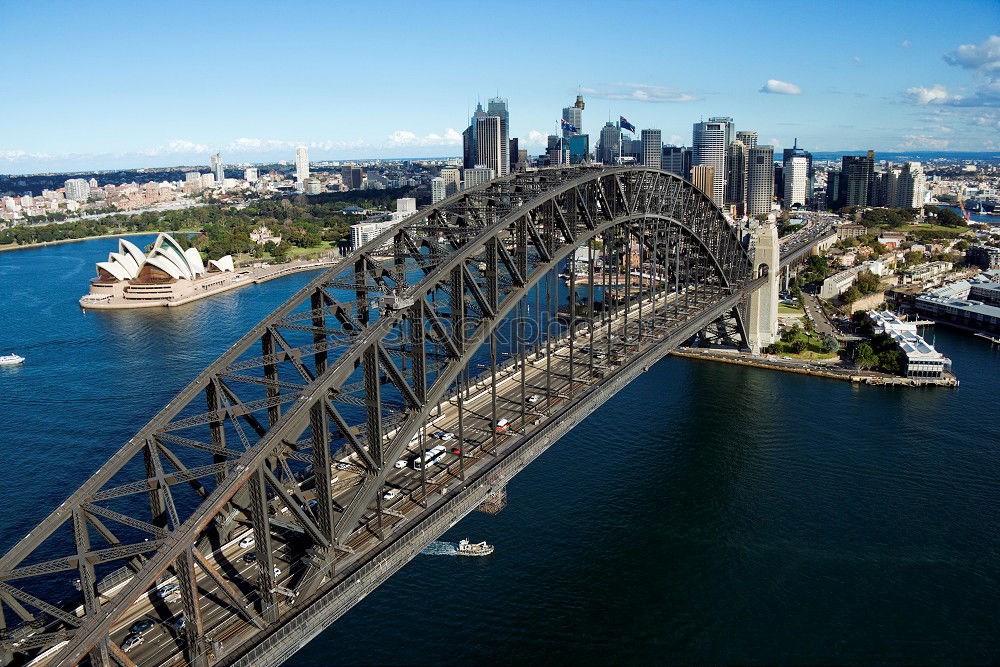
pixel 748 137
pixel 652 148
pixel 217 169
pixel 796 173
pixel 490 145
pixel 452 180
pixel 469 139
pixel 574 116
pixel 477 176
pixel 497 106
pixel 513 152
pixel 857 179
pixel 760 180
pixel 703 177
pixel 610 144
pixel 709 146
pixel 250 174
pixel 677 159
pixel 796 185
pixel 301 164
pixel 736 177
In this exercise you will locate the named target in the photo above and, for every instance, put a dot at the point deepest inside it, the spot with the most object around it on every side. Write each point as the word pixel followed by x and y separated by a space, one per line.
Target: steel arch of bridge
pixel 371 346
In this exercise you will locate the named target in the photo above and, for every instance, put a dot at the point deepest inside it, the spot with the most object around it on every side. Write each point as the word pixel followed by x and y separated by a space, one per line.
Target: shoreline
pixel 809 368
pixel 42 244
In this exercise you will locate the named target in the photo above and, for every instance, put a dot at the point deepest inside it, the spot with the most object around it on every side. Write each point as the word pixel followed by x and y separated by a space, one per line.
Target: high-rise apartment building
pixel 452 177
pixel 218 172
pixel 77 189
pixel 497 106
pixel 301 164
pixel 490 144
pixel 652 148
pixel 250 174
pixel 748 138
pixel 703 178
pixel 760 179
pixel 912 183
pixel 736 175
pixel 857 179
pixel 438 188
pixel 610 143
pixel 709 147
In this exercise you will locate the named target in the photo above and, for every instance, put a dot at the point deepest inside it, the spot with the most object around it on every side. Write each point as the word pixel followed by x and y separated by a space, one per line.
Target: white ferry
pixel 11 360
pixel 466 548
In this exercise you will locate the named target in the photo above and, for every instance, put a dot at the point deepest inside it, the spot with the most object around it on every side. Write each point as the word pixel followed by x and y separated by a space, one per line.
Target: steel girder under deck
pixel 350 369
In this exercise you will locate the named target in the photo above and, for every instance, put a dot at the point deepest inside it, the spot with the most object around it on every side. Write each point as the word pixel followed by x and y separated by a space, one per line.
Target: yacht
pixel 466 548
pixel 11 360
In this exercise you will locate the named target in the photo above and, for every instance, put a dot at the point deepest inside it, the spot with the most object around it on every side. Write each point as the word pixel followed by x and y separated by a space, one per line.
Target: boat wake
pixel 440 549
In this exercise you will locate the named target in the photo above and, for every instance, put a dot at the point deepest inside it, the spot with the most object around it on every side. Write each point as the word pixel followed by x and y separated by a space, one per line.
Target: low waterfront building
pixel 971 314
pixel 988 293
pixel 922 360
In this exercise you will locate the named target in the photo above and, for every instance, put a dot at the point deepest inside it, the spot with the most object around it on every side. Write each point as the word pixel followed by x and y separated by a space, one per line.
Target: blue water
pixel 706 514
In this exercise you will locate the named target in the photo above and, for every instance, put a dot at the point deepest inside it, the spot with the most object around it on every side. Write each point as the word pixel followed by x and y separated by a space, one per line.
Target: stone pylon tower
pixel 762 318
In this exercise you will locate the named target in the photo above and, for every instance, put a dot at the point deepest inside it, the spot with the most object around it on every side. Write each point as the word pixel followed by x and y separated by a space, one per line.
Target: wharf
pixel 825 370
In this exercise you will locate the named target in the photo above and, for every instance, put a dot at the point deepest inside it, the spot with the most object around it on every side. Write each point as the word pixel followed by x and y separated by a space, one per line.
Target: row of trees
pixel 303 222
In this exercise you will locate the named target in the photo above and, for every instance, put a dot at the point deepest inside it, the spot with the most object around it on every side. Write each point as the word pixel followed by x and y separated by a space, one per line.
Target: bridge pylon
pixel 762 322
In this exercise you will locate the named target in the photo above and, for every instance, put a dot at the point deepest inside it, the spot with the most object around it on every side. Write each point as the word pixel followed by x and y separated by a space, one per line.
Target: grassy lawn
pixel 929 228
pixel 789 310
pixel 295 251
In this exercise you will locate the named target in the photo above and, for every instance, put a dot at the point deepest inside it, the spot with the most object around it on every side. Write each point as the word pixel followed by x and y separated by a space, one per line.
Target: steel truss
pixel 322 397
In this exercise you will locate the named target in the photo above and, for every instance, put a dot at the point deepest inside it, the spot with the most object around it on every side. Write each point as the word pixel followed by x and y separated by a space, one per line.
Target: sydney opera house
pixel 166 276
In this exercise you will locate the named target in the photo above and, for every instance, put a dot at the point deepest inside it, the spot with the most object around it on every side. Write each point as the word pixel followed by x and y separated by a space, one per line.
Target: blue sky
pixel 129 84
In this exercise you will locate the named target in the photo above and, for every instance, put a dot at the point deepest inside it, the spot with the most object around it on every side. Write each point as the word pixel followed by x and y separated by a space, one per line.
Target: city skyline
pixel 915 85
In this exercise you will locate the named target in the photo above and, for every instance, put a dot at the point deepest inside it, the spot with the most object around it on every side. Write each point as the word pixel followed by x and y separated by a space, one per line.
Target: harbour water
pixel 706 514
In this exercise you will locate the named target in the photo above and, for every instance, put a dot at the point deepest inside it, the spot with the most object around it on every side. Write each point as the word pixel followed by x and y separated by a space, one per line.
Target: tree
pixel 914 257
pixel 851 294
pixel 799 345
pixel 868 282
pixel 864 356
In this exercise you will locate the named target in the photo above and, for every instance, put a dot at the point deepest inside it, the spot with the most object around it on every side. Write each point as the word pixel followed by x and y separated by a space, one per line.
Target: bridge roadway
pixel 614 348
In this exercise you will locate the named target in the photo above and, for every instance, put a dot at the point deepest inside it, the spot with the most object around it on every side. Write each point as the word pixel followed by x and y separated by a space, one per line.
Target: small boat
pixel 466 548
pixel 11 360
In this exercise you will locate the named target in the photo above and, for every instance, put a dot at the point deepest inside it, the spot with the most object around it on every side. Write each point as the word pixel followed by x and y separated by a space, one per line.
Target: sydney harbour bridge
pixel 306 465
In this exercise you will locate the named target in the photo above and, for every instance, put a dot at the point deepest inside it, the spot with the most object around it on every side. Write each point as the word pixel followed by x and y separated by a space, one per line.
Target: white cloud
pixel 637 92
pixel 408 138
pixel 856 59
pixel 175 147
pixel 936 94
pixel 906 43
pixel 984 56
pixel 775 142
pixel 676 139
pixel 780 88
pixel 536 138
pixel 923 141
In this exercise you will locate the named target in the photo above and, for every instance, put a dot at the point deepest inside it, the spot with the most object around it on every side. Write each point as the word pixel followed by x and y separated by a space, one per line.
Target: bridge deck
pixel 419 498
